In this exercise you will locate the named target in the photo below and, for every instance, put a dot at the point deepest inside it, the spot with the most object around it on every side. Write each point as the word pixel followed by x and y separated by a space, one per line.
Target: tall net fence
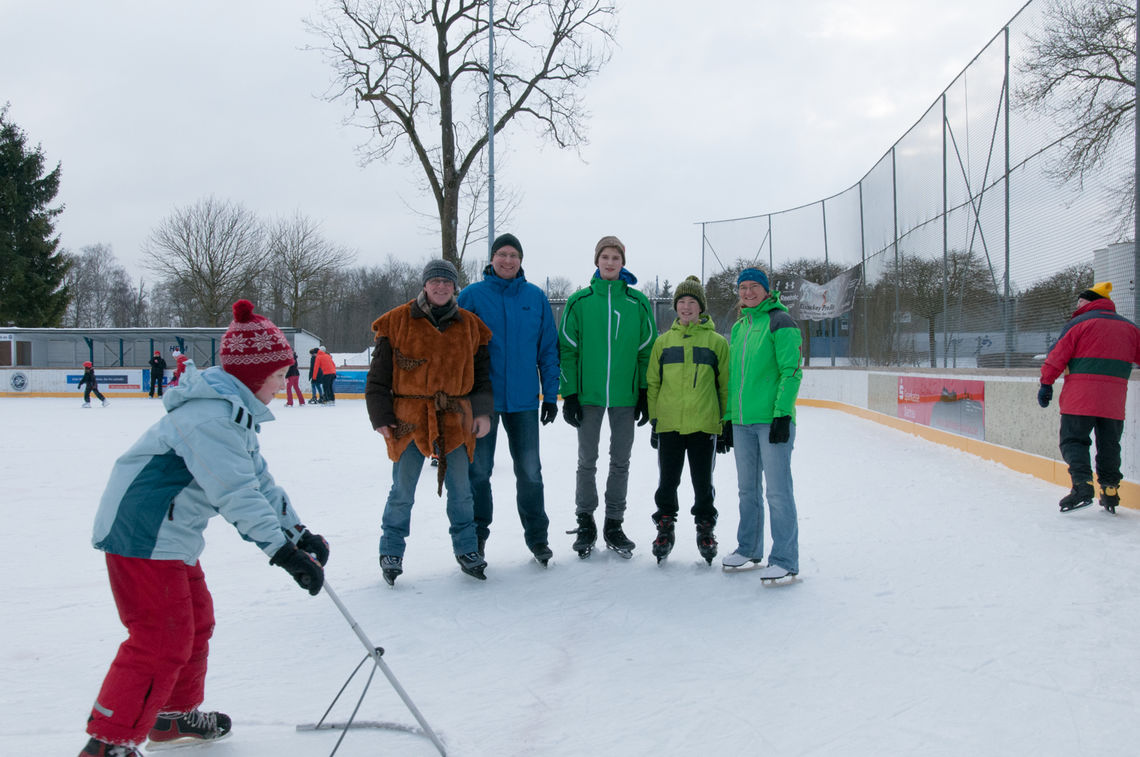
pixel 968 249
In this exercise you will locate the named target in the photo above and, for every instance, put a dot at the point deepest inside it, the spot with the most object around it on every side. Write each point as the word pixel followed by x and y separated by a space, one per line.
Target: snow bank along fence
pixel 993 415
pixel 968 251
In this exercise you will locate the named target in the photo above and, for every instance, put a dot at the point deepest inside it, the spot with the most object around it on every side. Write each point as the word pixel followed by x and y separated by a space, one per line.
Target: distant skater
pixel 90 385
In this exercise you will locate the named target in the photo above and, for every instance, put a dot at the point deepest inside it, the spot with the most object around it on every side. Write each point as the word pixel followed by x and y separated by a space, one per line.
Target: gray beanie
pixel 441 269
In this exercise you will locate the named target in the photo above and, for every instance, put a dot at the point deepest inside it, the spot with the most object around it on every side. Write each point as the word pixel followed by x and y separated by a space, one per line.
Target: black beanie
pixel 507 240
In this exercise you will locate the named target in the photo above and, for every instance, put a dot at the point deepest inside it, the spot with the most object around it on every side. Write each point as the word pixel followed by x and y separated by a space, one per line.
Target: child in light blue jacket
pixel 199 460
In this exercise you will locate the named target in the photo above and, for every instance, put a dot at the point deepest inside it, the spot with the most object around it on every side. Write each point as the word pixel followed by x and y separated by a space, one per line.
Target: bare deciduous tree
pixel 417 68
pixel 1081 70
pixel 211 253
pixel 96 282
pixel 304 262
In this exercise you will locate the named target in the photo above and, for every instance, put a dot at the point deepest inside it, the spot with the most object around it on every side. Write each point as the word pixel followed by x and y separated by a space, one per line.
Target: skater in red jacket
pixel 1095 350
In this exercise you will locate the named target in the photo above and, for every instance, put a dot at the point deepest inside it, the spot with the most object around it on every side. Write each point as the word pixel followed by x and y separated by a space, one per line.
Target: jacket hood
pixel 703 323
pixel 768 304
pixel 491 277
pixel 1103 304
pixel 625 275
pixel 215 384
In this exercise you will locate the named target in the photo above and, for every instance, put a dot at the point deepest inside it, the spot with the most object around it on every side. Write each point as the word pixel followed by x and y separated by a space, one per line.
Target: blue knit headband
pixel 754 274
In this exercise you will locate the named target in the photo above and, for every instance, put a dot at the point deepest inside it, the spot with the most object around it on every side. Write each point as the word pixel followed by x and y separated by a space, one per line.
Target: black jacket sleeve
pixel 482 396
pixel 378 386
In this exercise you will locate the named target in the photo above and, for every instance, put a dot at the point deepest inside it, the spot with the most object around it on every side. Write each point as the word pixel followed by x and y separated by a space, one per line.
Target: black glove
pixel 654 439
pixel 572 410
pixel 549 412
pixel 724 439
pixel 316 546
pixel 1044 394
pixel 306 571
pixel 641 413
pixel 780 430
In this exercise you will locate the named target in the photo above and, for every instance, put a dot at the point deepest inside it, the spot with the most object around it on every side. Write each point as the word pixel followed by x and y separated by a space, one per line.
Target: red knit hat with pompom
pixel 253 347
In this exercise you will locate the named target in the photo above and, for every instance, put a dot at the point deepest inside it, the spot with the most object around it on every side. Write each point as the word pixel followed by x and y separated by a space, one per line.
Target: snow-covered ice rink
pixel 947 608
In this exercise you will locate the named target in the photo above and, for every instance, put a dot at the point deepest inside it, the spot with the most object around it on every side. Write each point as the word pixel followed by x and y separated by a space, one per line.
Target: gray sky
pixel 705 112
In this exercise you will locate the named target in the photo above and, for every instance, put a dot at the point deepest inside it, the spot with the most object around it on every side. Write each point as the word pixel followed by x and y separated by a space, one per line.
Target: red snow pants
pixel 161 667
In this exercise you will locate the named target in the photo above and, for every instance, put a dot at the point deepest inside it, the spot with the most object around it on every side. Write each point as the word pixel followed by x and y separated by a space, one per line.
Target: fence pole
pixel 945 244
pixel 1006 303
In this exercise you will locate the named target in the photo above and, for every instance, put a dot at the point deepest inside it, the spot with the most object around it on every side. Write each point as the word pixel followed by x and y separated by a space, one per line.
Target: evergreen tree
pixel 31 268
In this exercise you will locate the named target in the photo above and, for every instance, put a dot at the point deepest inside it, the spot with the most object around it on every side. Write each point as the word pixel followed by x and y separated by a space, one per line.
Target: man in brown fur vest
pixel 429 394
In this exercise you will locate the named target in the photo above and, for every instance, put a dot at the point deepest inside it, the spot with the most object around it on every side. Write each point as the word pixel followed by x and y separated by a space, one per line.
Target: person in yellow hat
pixel 1095 351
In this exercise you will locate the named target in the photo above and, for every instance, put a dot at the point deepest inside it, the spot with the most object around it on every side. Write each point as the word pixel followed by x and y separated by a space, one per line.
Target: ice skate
pixel 775 575
pixel 706 540
pixel 737 561
pixel 391 566
pixel 1110 498
pixel 97 748
pixel 616 538
pixel 472 564
pixel 587 532
pixel 105 403
pixel 663 544
pixel 1080 496
pixel 175 729
pixel 86 404
pixel 542 553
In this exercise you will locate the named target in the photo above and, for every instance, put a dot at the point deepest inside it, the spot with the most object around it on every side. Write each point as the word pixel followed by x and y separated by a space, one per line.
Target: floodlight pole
pixel 490 126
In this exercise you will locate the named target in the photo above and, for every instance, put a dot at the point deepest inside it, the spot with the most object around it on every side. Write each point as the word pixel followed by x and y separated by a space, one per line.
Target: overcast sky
pixel 705 112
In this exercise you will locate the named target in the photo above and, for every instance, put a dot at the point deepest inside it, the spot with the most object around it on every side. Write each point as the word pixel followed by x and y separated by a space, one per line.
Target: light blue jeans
pixel 397 519
pixel 757 462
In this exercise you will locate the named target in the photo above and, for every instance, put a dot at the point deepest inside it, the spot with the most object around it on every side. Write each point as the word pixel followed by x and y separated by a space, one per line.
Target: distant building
pixel 123 348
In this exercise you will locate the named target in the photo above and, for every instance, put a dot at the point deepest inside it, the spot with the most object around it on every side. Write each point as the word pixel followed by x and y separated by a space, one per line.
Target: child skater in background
pixel 200 459
pixel 90 385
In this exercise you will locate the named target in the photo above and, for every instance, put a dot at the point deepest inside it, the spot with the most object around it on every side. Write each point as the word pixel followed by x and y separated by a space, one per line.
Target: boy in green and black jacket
pixel 688 393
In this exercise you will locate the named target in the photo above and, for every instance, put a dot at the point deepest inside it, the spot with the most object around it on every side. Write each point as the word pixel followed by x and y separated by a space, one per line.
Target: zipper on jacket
pixel 610 339
pixel 170 512
pixel 743 371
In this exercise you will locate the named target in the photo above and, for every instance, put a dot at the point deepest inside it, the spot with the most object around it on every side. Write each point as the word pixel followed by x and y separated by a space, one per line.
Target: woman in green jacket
pixel 688 392
pixel 764 379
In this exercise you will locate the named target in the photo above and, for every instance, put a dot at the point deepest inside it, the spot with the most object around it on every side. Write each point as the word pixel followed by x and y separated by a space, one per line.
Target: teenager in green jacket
pixel 606 336
pixel 688 394
pixel 764 379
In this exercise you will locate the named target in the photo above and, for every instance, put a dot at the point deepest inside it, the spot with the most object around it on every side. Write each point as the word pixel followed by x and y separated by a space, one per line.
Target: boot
pixel 587 532
pixel 189 727
pixel 97 748
pixel 663 544
pixel 1081 496
pixel 706 540
pixel 1109 498
pixel 616 538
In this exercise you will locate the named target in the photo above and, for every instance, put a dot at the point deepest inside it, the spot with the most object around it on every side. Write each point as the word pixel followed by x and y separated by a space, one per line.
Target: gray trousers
pixel 621 443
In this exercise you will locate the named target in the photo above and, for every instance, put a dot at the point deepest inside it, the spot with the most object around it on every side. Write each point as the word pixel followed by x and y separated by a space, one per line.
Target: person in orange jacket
pixel 326 369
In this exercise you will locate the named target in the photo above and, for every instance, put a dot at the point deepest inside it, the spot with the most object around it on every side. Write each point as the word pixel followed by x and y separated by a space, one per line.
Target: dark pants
pixel 155 383
pixel 88 390
pixel 672 449
pixel 1076 443
pixel 161 667
pixel 522 440
pixel 327 385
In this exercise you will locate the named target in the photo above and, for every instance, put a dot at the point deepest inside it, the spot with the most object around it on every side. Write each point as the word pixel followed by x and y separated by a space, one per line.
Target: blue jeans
pixel 397 519
pixel 522 440
pixel 758 462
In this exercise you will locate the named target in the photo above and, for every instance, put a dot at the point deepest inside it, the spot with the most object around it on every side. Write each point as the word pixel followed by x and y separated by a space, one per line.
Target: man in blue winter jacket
pixel 524 351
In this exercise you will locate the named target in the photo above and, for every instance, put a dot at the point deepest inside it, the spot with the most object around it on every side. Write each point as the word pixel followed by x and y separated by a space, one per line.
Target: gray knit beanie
pixel 441 269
